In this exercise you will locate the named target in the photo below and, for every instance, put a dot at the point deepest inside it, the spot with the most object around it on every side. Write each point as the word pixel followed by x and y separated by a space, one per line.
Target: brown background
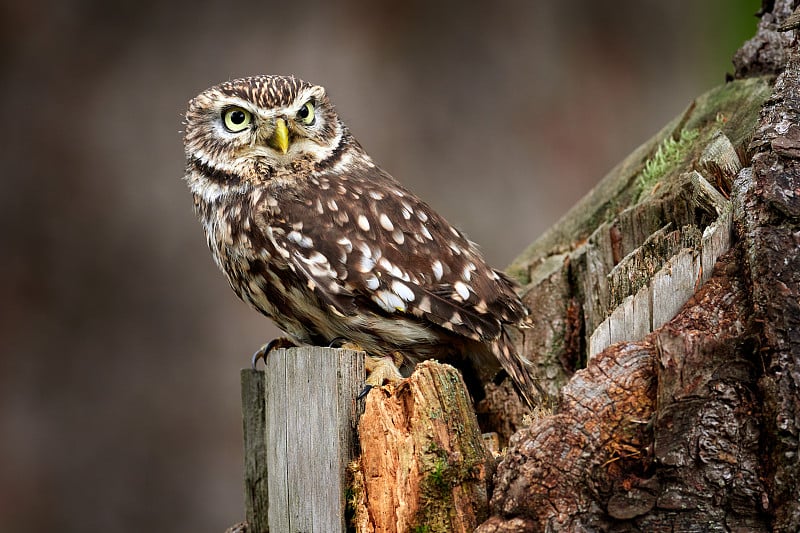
pixel 120 343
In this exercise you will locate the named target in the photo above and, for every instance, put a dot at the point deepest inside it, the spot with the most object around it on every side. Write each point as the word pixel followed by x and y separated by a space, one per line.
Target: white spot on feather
pixel 300 239
pixel 398 236
pixel 461 289
pixel 318 258
pixel 426 233
pixel 403 291
pixel 467 274
pixel 388 301
pixel 385 222
pixel 438 270
pixel 424 304
pixel 372 283
pixel 344 241
pixel 341 218
pixel 365 264
pixel 363 223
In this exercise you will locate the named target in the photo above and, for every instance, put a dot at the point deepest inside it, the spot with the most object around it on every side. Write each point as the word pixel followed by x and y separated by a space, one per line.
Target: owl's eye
pixel 236 119
pixel 306 114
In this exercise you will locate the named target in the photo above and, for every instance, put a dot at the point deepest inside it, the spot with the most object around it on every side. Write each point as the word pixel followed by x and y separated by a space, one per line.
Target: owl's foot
pixel 274 344
pixel 382 369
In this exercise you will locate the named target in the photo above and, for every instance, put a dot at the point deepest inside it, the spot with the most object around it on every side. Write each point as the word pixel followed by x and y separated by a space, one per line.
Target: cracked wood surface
pixel 696 427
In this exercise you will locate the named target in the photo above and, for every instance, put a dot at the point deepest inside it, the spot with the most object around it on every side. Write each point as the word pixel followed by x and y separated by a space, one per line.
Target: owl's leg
pixel 274 344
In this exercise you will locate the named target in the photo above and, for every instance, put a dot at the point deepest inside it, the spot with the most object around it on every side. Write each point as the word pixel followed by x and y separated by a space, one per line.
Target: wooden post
pixel 300 419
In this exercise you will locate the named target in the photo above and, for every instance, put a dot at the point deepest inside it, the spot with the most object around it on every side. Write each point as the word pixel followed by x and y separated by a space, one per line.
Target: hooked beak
pixel 280 137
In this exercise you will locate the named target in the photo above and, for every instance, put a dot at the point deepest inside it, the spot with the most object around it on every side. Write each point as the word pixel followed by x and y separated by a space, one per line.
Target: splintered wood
pixel 630 254
pixel 423 463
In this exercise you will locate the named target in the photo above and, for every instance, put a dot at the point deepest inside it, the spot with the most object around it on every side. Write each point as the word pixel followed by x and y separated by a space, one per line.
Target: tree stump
pixel 696 425
pixel 423 465
pixel 668 326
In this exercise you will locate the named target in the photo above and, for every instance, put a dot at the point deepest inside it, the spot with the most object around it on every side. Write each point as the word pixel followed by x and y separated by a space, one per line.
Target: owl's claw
pixel 363 393
pixel 337 342
pixel 263 352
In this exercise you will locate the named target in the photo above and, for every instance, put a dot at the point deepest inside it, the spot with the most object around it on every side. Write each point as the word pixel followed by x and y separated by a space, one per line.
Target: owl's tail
pixel 519 369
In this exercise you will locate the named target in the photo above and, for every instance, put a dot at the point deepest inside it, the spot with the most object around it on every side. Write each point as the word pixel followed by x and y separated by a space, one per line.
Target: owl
pixel 312 233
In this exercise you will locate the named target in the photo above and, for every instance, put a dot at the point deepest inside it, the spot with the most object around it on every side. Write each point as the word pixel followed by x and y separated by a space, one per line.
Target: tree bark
pixel 696 426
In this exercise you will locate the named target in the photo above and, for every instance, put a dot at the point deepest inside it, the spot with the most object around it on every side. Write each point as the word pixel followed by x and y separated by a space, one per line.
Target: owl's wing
pixel 365 243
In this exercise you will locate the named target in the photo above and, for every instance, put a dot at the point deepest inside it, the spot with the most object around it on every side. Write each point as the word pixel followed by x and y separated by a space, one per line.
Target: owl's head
pixel 253 129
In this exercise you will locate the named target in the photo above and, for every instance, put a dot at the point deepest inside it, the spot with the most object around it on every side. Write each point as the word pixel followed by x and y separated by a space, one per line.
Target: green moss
pixel 670 152
pixel 436 479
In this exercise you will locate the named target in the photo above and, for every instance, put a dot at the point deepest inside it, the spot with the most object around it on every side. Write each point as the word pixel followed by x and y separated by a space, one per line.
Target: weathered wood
pixel 652 436
pixel 254 423
pixel 589 280
pixel 718 449
pixel 768 215
pixel 423 463
pixel 299 438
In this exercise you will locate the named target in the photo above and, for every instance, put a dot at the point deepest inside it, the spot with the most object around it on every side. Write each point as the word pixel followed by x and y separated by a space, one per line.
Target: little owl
pixel 313 234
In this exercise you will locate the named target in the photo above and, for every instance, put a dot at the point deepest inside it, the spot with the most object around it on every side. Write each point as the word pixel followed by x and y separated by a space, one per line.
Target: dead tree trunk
pixel 690 423
pixel 674 287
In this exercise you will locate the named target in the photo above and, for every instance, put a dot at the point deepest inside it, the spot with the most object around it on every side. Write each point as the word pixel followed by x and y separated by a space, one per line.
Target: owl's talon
pixel 263 352
pixel 363 393
pixel 337 342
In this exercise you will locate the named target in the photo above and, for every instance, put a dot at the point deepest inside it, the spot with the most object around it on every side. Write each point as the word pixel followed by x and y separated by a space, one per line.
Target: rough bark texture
pixel 423 465
pixel 766 53
pixel 678 422
pixel 656 435
pixel 769 214
pixel 697 426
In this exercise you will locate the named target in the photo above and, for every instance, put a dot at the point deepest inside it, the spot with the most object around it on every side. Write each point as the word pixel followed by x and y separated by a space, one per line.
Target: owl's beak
pixel 280 137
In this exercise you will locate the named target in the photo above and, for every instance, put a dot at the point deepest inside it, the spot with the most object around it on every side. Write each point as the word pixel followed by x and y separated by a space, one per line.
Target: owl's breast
pixel 246 246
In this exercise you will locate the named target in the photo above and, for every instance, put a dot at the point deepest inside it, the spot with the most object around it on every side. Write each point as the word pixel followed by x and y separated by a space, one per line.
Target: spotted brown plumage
pixel 311 233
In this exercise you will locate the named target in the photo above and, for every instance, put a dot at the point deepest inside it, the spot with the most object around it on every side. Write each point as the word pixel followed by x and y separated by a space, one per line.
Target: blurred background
pixel 120 343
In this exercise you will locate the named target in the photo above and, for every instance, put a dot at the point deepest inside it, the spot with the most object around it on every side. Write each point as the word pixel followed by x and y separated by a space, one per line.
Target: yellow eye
pixel 306 114
pixel 236 119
